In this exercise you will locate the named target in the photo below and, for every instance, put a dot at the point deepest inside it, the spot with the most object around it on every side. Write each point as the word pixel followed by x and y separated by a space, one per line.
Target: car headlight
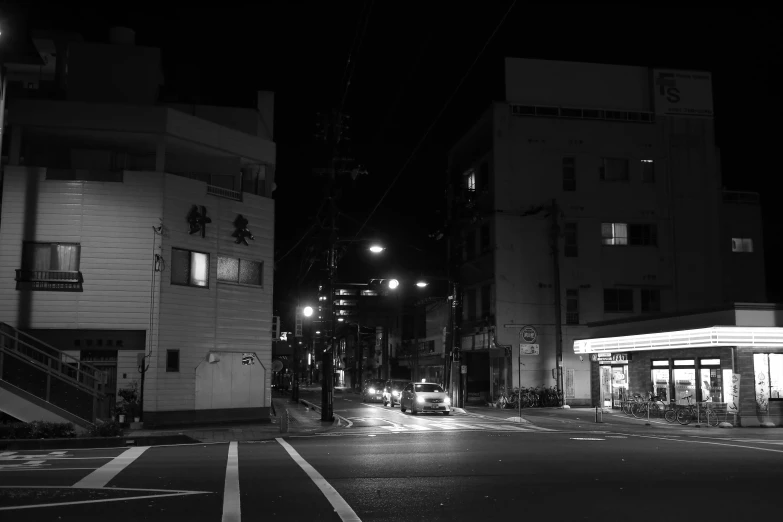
pixel 372 390
pixel 395 393
pixel 420 400
pixel 446 401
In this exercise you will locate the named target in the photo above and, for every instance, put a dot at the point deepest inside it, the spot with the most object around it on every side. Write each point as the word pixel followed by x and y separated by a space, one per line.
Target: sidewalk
pixel 301 420
pixel 585 419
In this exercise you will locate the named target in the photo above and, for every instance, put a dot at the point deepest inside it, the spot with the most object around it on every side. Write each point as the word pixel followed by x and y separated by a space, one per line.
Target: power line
pixel 351 64
pixel 317 222
pixel 435 121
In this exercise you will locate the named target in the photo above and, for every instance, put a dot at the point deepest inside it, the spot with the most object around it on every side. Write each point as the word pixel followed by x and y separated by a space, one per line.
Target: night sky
pixel 407 64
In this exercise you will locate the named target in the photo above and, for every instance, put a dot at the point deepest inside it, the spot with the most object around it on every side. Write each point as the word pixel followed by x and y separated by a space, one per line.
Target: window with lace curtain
pixel 50 266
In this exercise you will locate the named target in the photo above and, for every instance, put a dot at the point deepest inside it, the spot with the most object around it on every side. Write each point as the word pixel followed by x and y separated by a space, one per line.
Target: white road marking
pixel 339 504
pixel 54 504
pixel 705 442
pixel 101 476
pixel 231 504
pixel 20 468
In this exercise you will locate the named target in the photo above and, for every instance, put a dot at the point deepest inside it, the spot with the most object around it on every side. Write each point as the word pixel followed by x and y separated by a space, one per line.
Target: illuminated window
pixel 741 244
pixel 648 171
pixel 189 268
pixel 768 369
pixel 240 271
pixel 614 169
pixel 369 292
pixel 625 234
pixel 614 233
pixel 470 180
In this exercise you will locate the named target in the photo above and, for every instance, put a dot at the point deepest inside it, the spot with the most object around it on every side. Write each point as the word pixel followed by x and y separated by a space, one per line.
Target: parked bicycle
pixel 687 413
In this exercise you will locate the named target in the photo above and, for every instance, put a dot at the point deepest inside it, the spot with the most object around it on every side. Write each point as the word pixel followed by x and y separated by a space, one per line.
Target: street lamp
pixel 393 283
pixel 308 311
pixel 376 249
pixel 421 284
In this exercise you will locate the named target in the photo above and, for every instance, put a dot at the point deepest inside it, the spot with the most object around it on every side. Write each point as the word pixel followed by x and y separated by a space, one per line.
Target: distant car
pixel 373 390
pixel 392 391
pixel 425 397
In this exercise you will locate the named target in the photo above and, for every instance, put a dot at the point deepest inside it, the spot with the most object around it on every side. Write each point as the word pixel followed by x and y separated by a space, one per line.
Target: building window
pixel 625 234
pixel 470 180
pixel 485 238
pixel 570 244
pixel 768 369
pixel 648 171
pixel 240 271
pixel 618 300
pixel 172 360
pixel 651 300
pixel 572 306
pixel 254 179
pixel 483 181
pixel 741 244
pixel 643 235
pixel 569 173
pixel 614 169
pixel 50 266
pixel 614 233
pixel 189 268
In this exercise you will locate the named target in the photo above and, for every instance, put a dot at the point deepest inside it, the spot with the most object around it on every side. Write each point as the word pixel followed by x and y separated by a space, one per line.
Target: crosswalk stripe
pixel 417 427
pixel 101 476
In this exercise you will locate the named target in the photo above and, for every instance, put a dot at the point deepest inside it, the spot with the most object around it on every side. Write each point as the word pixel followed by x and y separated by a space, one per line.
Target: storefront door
pixel 619 385
pixel 606 386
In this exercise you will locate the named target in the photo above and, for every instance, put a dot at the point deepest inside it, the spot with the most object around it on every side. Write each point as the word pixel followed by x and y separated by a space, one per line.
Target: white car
pixel 425 397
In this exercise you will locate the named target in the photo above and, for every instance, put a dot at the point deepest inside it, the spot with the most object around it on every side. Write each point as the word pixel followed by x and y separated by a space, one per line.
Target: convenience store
pixel 731 356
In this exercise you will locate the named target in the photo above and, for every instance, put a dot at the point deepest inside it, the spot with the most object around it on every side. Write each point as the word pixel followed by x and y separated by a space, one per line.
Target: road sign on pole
pixel 528 334
pixel 464 368
pixel 528 349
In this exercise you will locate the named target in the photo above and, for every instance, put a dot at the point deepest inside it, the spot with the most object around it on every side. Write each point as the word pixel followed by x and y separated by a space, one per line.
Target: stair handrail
pixel 57 373
pixel 98 376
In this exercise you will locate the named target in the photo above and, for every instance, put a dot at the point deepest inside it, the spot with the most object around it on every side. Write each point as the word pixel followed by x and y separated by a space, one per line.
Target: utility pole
pixel 558 320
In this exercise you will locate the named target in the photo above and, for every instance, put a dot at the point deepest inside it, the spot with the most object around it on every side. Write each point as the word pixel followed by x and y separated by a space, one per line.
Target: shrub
pixel 105 429
pixel 37 430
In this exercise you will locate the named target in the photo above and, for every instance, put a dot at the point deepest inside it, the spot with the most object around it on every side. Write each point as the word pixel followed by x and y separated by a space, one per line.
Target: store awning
pixel 767 337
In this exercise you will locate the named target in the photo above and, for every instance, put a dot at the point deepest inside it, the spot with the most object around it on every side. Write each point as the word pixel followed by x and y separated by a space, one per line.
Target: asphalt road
pixel 390 466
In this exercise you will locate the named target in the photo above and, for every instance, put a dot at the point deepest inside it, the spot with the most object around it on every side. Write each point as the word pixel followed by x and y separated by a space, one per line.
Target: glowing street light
pixel 340 319
pixel 393 283
pixel 308 311
pixel 376 249
pixel 421 284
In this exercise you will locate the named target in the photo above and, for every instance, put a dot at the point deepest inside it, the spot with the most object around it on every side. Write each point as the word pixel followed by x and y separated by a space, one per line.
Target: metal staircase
pixel 38 380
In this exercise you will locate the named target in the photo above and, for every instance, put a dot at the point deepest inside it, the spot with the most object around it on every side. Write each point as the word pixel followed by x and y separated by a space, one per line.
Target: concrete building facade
pixel 136 237
pixel 614 170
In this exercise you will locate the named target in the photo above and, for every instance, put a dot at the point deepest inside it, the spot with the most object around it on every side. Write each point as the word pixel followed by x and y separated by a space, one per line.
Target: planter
pixel 136 419
pixel 136 425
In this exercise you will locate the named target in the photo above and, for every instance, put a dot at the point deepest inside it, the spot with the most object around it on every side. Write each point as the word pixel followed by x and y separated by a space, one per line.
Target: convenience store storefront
pixel 698 362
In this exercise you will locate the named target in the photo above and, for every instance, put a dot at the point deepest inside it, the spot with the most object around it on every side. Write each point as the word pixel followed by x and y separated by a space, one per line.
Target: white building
pixel 130 228
pixel 626 157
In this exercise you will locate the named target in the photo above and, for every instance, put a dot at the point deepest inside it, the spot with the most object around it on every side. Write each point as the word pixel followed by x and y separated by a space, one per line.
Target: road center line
pixel 338 503
pixel 101 476
pixel 231 507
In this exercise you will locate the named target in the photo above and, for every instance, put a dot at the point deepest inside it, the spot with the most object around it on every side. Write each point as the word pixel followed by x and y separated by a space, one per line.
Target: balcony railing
pixel 221 192
pixel 54 280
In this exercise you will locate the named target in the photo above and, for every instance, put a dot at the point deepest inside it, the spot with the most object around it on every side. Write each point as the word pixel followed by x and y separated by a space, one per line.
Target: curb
pixel 95 442
pixel 337 418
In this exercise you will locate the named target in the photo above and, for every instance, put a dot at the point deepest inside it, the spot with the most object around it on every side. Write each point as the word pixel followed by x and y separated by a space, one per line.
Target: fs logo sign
pixel 667 86
pixel 682 93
